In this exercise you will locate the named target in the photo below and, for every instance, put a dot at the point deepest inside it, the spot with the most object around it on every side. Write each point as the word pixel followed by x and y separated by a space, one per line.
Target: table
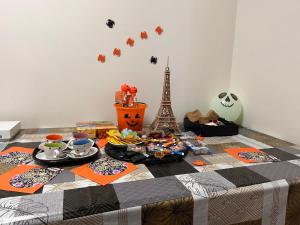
pixel 226 191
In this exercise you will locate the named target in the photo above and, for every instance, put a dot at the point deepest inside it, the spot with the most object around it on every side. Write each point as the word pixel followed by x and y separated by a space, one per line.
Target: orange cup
pixel 54 138
pixel 131 117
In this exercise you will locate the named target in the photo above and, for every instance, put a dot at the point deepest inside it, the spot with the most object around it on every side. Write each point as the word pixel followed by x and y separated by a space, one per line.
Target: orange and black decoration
pixel 101 58
pixel 144 35
pixel 153 59
pixel 117 52
pixel 130 42
pixel 159 30
pixel 110 23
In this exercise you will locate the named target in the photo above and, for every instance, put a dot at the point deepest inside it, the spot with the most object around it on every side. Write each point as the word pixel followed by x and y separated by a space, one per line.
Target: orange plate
pixel 235 153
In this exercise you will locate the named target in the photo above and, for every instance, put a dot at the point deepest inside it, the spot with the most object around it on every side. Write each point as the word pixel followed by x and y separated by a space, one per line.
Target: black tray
pixel 122 154
pixel 228 129
pixel 65 162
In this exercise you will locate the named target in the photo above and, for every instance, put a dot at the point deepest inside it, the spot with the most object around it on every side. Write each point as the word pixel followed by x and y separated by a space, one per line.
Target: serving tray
pixel 65 161
pixel 121 153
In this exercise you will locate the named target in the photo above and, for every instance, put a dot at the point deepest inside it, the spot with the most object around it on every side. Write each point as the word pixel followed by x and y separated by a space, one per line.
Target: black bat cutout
pixel 110 23
pixel 153 60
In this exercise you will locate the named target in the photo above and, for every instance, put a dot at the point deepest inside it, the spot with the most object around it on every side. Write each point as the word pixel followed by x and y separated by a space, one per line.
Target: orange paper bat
pixel 117 52
pixel 130 42
pixel 101 58
pixel 144 35
pixel 159 30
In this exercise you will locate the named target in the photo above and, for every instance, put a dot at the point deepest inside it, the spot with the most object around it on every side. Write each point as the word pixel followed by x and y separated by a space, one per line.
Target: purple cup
pixel 80 135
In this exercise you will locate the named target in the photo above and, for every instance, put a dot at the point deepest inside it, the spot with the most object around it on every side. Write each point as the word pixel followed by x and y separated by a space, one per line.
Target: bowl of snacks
pixel 124 138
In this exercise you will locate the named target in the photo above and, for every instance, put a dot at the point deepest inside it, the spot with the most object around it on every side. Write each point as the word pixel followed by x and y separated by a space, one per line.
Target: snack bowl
pixel 123 139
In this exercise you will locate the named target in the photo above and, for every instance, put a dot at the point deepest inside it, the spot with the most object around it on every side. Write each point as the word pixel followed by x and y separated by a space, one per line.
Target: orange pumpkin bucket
pixel 131 117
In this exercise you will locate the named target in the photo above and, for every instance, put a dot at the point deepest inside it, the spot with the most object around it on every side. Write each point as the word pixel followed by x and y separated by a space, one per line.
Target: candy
pixel 199 163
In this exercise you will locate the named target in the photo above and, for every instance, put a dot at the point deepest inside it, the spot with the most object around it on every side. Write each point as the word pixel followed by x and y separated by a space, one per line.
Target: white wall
pixel 266 66
pixel 50 76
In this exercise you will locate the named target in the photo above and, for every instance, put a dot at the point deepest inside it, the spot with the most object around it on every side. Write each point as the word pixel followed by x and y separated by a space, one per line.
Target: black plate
pixel 65 162
pixel 138 158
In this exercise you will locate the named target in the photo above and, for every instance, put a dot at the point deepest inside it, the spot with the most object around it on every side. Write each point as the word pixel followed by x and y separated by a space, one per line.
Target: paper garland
pixel 130 42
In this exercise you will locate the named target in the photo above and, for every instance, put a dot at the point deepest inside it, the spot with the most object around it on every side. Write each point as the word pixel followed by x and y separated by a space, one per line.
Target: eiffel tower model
pixel 165 118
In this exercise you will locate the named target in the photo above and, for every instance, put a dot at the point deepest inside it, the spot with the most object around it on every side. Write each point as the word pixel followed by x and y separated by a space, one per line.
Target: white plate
pixel 42 156
pixel 70 143
pixel 92 151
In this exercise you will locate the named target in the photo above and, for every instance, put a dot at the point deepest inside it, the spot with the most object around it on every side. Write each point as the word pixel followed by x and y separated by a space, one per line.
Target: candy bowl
pixel 123 139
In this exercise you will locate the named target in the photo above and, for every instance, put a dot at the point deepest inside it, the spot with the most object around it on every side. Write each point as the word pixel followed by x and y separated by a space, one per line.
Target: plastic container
pixel 131 117
pixel 227 129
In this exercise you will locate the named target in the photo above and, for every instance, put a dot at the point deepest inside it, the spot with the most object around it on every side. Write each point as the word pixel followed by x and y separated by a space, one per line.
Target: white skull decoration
pixel 227 105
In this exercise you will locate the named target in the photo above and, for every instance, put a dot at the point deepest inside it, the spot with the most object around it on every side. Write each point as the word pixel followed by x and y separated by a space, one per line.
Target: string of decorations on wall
pixel 117 52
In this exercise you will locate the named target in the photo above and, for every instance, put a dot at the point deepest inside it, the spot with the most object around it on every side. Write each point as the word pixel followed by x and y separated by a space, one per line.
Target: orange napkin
pixel 104 170
pixel 17 149
pixel 16 155
pixel 235 153
pixel 27 178
pixel 101 142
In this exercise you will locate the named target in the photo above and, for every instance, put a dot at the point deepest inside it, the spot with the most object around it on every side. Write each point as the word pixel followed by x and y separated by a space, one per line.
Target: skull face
pixel 227 105
pixel 228 99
